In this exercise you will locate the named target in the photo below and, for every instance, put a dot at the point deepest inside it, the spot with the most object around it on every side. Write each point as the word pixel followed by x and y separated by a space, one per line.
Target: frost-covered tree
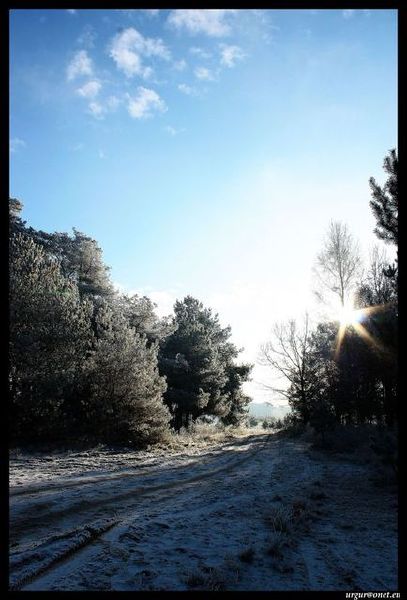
pixel 139 312
pixel 236 400
pixel 198 362
pixel 82 366
pixel 125 388
pixel 50 336
pixel 84 359
pixel 16 224
pixel 79 256
pixel 81 260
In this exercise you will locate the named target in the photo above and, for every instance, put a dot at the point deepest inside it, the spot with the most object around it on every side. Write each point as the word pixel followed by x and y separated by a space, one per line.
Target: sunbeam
pixel 350 317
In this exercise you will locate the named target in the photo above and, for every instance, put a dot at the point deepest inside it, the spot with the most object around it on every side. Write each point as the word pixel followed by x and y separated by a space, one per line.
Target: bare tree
pixel 338 265
pixel 288 355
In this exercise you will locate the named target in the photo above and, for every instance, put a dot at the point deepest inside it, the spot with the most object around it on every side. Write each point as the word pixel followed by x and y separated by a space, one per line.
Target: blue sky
pixel 206 151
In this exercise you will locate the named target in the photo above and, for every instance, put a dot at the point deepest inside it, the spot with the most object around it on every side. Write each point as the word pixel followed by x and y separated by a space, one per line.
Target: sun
pixel 351 318
pixel 348 315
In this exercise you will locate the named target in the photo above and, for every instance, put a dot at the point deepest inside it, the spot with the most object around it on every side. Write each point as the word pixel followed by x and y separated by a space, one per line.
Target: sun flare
pixel 348 315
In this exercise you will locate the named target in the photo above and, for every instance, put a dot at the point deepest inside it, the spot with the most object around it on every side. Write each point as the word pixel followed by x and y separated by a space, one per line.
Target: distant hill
pixel 263 410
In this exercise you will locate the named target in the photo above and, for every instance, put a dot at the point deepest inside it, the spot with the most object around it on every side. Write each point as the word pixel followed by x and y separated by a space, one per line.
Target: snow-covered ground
pixel 261 512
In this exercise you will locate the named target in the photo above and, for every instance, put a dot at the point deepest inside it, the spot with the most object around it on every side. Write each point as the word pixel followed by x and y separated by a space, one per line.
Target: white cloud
pixel 77 147
pixel 101 154
pixel 187 89
pixel 204 74
pixel 230 55
pixel 71 11
pixel 212 21
pixel 96 110
pixel 128 48
pixel 16 144
pixel 90 89
pixel 145 103
pixel 81 64
pixel 348 13
pixel 200 52
pixel 99 109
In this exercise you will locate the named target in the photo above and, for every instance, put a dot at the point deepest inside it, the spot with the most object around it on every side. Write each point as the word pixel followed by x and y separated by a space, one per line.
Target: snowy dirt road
pixel 254 513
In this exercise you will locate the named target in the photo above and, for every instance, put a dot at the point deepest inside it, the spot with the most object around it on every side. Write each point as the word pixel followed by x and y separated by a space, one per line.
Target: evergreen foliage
pixel 140 316
pixel 384 202
pixel 123 383
pixel 81 261
pixel 50 336
pixel 89 364
pixel 198 361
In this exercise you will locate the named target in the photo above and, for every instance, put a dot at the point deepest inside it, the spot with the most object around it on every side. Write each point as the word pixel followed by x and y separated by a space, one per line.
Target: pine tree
pixel 124 385
pixel 80 259
pixel 198 362
pixel 384 201
pixel 50 336
pixel 139 312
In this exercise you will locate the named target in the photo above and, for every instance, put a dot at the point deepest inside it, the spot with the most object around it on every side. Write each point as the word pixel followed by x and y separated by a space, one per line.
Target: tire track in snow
pixel 63 484
pixel 25 520
pixel 33 564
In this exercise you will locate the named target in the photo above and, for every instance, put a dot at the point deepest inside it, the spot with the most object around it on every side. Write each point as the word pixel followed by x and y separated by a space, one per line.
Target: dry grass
pixel 286 523
pixel 204 434
pixel 195 579
pixel 214 579
pixel 280 519
pixel 217 578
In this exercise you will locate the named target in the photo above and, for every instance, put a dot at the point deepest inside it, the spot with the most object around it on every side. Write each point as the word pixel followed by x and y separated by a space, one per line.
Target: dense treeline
pixel 89 364
pixel 344 369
